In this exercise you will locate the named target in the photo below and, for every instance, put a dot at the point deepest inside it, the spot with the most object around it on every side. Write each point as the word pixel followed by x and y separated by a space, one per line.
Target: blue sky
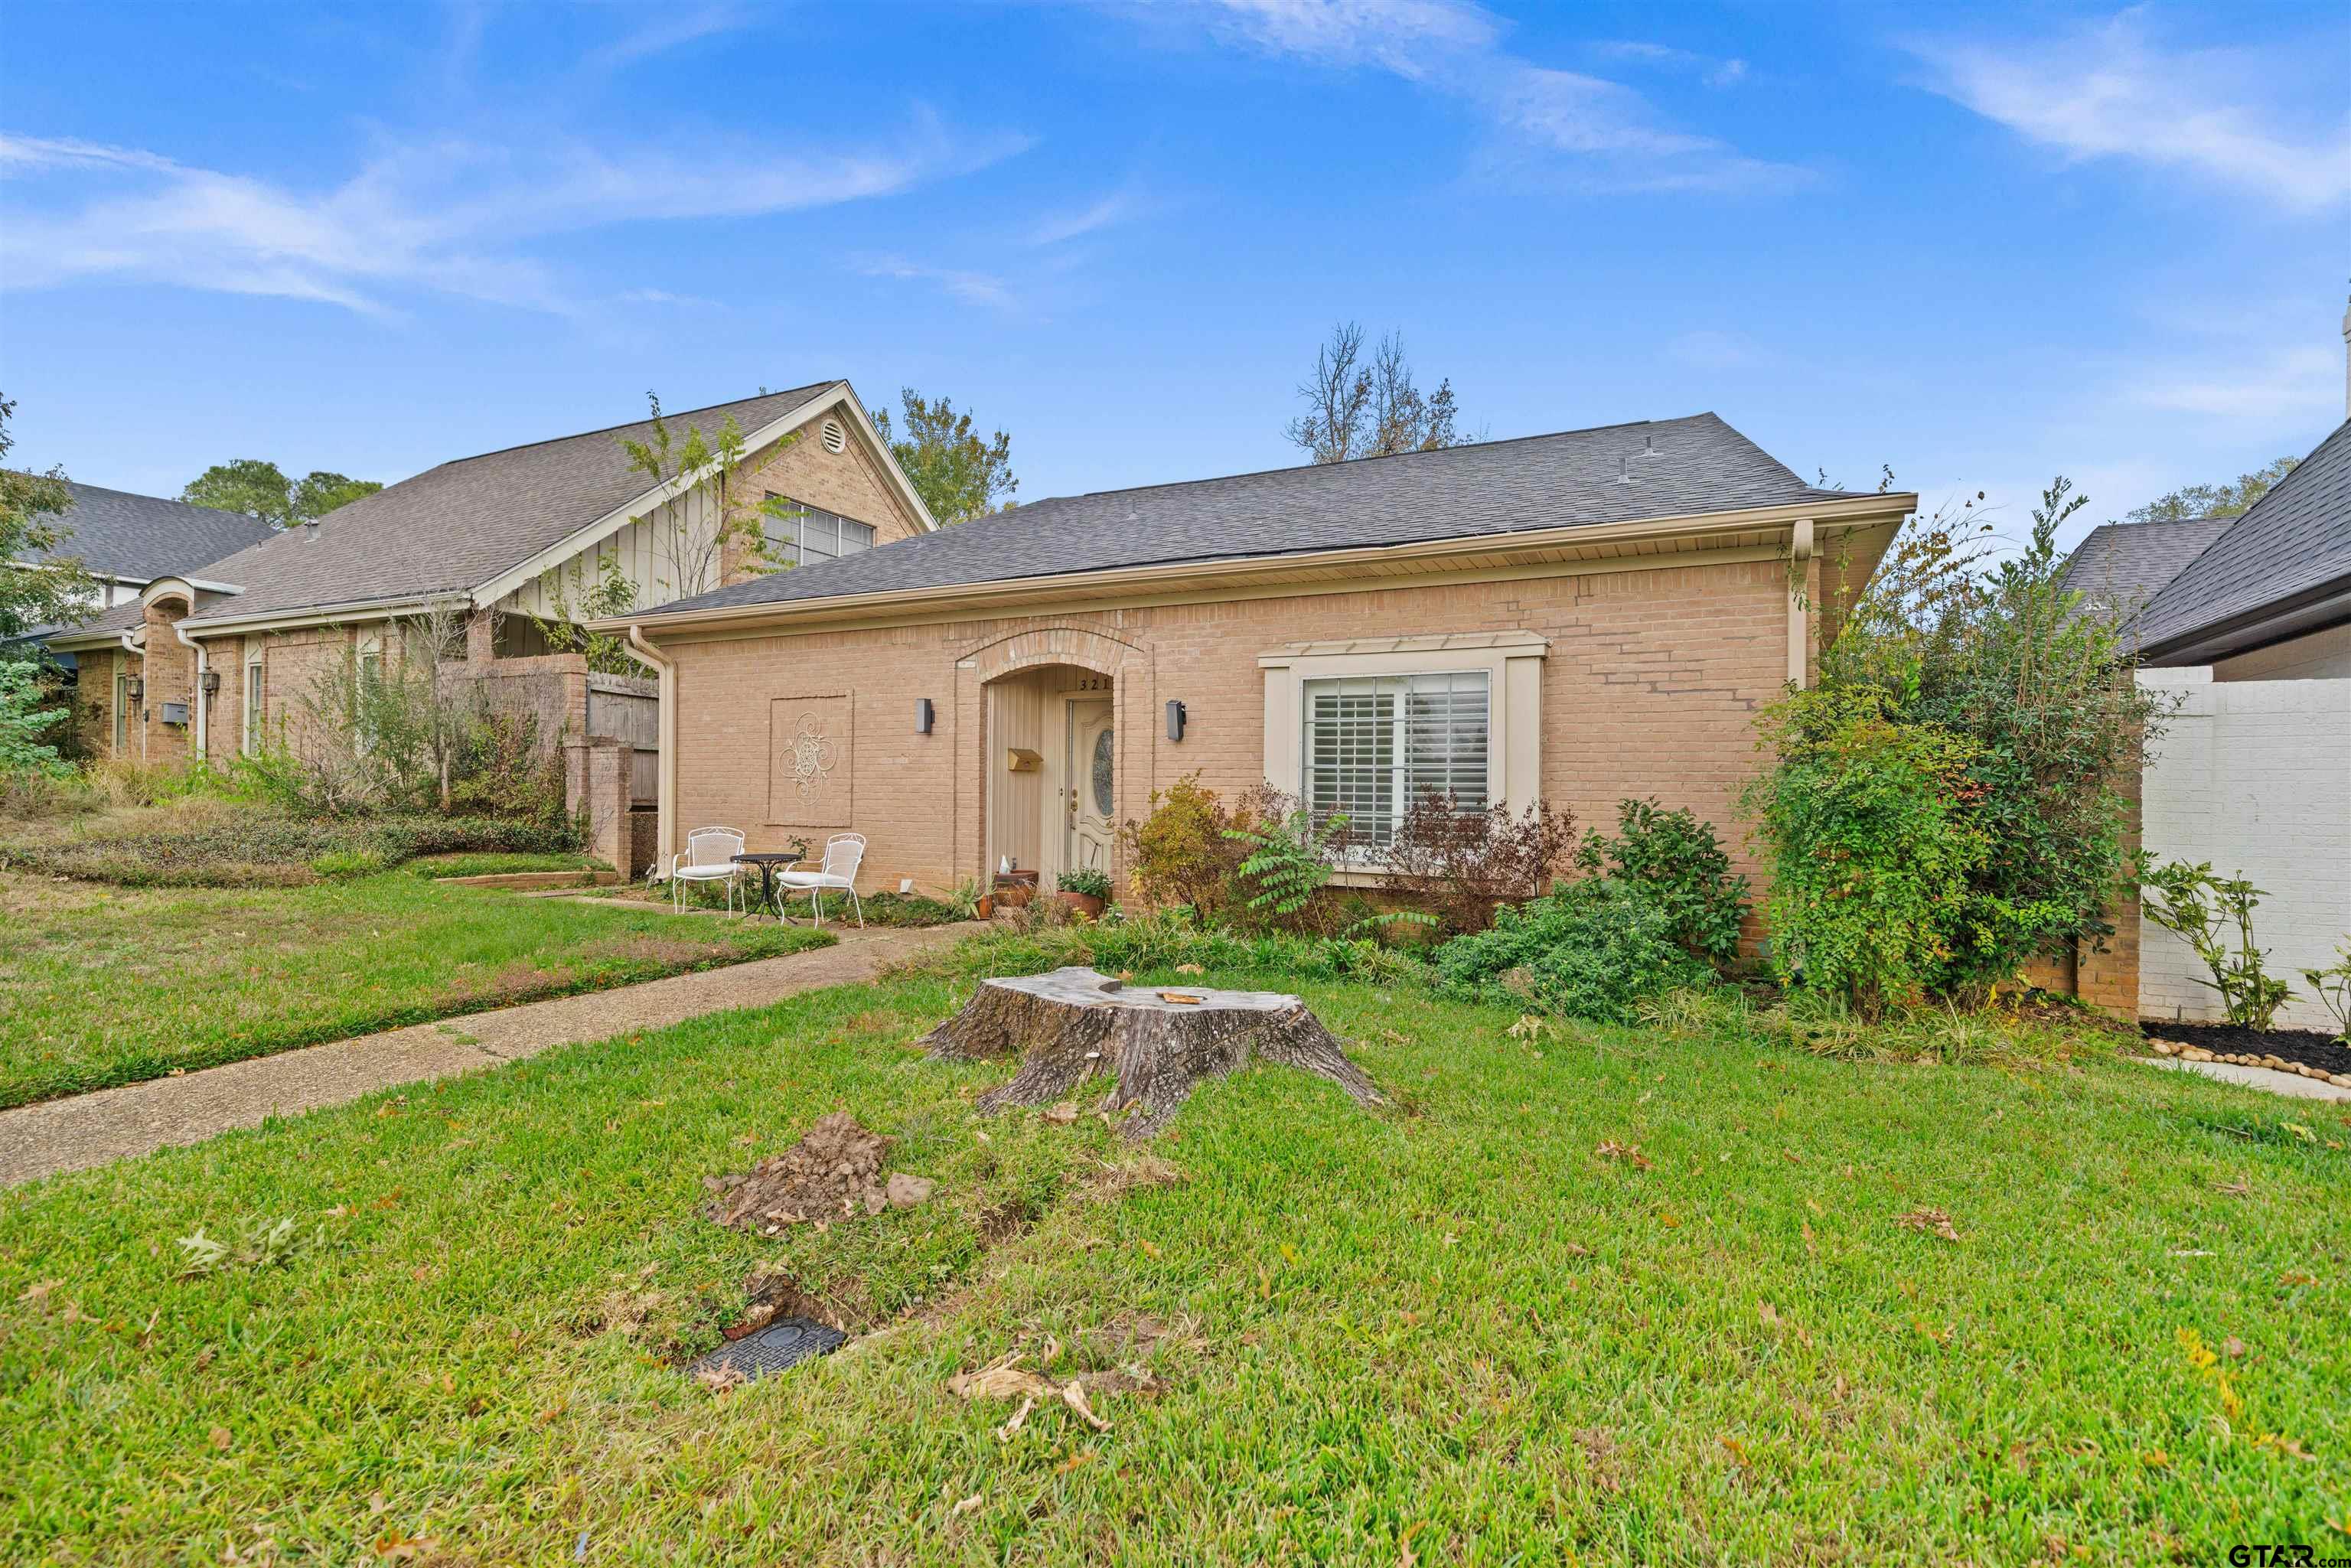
pixel 1982 246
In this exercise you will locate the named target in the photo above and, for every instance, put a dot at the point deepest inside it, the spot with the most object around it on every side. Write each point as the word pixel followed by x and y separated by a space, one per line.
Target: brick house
pixel 1573 618
pixel 213 660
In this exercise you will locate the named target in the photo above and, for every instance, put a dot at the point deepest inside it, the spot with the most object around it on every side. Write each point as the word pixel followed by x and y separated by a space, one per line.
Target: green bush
pixel 1677 858
pixel 1871 847
pixel 1593 950
pixel 1184 852
pixel 2035 678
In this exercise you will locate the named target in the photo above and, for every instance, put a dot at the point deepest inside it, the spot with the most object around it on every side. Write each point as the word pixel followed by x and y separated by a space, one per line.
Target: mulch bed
pixel 2254 1047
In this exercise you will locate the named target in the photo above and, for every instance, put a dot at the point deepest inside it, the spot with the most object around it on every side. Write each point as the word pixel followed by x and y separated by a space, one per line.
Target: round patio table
pixel 767 860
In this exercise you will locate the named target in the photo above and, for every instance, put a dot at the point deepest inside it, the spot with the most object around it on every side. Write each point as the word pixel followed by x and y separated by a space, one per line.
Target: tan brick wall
pixel 170 678
pixel 851 482
pixel 1652 681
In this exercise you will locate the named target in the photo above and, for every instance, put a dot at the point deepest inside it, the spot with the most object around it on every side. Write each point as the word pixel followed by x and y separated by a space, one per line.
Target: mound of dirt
pixel 834 1173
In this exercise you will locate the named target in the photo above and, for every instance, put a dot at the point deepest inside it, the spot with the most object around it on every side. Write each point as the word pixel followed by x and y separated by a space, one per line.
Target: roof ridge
pixel 1386 457
pixel 666 414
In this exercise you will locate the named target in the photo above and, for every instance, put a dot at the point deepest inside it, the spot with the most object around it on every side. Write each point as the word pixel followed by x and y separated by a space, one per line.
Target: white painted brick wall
pixel 2255 777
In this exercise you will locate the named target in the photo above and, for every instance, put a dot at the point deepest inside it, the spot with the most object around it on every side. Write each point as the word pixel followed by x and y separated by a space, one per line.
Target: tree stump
pixel 1072 1023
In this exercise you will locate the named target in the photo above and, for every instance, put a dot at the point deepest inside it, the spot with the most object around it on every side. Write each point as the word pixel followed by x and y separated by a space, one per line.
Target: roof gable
pixel 1621 473
pixel 2123 566
pixel 456 526
pixel 2293 541
pixel 118 534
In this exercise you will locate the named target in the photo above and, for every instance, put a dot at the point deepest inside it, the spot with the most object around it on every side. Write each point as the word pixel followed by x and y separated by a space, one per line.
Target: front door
pixel 1088 789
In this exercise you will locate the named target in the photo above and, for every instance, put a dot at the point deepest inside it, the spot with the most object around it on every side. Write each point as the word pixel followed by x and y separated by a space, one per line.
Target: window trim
pixel 1513 661
pixel 253 697
pixel 802 513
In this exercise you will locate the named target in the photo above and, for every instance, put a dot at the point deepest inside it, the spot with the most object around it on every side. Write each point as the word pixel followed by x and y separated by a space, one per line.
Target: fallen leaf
pixel 1191 969
pixel 2155 1459
pixel 966 1506
pixel 1628 1153
pixel 1791 1156
pixel 1932 1221
pixel 2299 1131
pixel 1012 1428
pixel 1670 1221
pixel 2232 1346
pixel 38 1291
pixel 1082 1457
pixel 2238 1188
pixel 1064 1113
pixel 392 1544
pixel 223 1439
pixel 1810 1246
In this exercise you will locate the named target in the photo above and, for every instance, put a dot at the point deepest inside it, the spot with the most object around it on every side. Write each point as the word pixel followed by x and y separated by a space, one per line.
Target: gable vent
pixel 833 435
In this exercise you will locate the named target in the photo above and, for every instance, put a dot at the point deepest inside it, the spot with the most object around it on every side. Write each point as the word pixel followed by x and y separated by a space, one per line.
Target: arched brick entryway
pixel 1127 661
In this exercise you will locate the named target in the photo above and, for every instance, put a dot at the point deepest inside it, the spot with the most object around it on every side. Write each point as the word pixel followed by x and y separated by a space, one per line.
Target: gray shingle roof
pixel 453 527
pixel 118 534
pixel 1696 465
pixel 2123 566
pixel 2294 540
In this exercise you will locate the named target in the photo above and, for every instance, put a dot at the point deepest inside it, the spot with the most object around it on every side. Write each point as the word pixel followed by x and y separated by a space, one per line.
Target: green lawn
pixel 1447 1333
pixel 101 985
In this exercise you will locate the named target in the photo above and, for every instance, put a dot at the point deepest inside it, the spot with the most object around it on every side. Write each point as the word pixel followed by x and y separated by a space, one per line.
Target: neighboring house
pixel 2121 566
pixel 126 541
pixel 2253 771
pixel 209 660
pixel 1571 619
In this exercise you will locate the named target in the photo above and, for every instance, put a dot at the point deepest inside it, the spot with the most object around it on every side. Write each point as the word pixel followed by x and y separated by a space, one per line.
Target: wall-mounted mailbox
pixel 1020 759
pixel 174 713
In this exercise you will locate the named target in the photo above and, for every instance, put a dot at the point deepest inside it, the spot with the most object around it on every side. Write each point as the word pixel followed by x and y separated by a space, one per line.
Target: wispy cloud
pixel 659 37
pixel 2283 385
pixel 1120 206
pixel 1711 70
pixel 445 215
pixel 1607 134
pixel 972 288
pixel 2111 91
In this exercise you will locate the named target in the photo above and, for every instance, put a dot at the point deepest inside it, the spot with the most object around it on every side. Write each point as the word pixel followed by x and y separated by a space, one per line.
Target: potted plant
pixel 1083 891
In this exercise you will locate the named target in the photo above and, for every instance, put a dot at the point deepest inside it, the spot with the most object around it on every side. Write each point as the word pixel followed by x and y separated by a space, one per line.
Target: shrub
pixel 2036 679
pixel 1870 847
pixel 1291 858
pixel 2191 901
pixel 1592 949
pixel 28 723
pixel 2331 987
pixel 1678 859
pixel 1185 852
pixel 1461 864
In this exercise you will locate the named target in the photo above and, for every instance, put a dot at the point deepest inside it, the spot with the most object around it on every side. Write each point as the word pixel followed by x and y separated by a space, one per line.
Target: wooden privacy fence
pixel 629 709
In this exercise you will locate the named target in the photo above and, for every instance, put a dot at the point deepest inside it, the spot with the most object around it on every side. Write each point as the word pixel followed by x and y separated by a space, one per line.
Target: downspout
pixel 1800 558
pixel 666 790
pixel 203 754
pixel 132 637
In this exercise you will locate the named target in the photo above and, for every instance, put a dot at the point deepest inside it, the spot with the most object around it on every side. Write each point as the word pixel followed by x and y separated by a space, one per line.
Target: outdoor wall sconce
pixel 137 689
pixel 924 716
pixel 212 683
pixel 1174 721
pixel 1020 759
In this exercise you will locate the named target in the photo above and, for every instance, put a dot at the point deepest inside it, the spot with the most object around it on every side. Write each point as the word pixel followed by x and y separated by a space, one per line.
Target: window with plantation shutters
pixel 1370 746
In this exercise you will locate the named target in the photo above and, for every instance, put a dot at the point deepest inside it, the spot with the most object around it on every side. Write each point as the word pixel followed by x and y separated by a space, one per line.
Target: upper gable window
pixel 812 534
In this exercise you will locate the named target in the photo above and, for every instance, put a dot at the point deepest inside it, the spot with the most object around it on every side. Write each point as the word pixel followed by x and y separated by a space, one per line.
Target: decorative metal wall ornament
pixel 812 756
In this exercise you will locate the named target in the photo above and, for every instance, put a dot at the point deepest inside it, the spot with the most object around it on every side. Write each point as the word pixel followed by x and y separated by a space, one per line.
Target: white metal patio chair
pixel 836 873
pixel 708 856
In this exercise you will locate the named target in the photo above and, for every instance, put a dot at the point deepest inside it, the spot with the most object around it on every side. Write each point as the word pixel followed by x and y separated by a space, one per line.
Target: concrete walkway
pixel 140 1118
pixel 2292 1085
